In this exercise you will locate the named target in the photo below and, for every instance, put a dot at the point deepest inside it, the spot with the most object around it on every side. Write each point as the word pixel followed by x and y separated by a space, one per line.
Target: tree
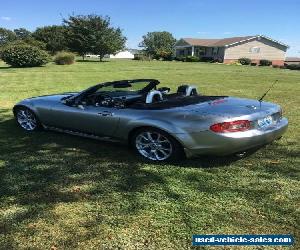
pixel 6 36
pixel 55 37
pixel 94 34
pixel 159 44
pixel 22 33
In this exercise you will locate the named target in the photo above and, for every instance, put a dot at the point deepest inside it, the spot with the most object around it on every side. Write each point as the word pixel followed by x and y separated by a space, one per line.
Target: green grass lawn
pixel 69 192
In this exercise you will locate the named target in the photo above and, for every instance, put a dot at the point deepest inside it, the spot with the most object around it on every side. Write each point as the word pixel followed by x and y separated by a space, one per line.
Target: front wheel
pixel 27 119
pixel 156 145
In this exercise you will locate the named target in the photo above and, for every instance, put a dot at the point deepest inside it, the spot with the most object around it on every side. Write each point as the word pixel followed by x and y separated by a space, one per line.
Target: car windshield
pixel 124 87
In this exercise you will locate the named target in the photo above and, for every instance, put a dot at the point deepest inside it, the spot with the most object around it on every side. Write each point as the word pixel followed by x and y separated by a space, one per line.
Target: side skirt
pixel 81 134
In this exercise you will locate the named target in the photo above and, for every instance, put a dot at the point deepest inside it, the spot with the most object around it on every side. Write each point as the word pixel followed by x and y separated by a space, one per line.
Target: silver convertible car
pixel 159 125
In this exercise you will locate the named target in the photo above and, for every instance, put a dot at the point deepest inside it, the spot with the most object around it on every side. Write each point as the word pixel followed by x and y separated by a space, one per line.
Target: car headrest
pixel 187 90
pixel 154 96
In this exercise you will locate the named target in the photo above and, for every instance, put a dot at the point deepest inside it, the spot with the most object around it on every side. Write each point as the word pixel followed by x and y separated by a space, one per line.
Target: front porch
pixel 216 53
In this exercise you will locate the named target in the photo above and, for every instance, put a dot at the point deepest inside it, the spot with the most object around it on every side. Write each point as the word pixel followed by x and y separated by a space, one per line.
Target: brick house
pixel 229 50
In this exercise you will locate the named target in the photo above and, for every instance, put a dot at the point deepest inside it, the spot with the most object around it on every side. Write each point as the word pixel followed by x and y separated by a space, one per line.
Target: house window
pixel 215 50
pixel 254 50
pixel 181 52
pixel 202 51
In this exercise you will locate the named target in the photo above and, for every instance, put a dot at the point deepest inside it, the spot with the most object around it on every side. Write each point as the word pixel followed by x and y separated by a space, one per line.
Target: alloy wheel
pixel 26 119
pixel 153 145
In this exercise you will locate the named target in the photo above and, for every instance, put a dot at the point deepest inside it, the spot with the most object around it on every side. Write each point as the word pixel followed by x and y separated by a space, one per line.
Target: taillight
pixel 234 126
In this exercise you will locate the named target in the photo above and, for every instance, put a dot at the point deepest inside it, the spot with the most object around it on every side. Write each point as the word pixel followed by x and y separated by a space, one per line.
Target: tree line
pixel 87 34
pixel 81 34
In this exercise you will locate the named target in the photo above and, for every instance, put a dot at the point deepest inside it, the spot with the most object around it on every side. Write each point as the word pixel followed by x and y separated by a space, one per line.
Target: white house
pixel 126 54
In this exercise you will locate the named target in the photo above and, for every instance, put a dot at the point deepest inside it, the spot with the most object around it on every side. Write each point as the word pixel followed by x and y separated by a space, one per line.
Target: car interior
pixel 140 94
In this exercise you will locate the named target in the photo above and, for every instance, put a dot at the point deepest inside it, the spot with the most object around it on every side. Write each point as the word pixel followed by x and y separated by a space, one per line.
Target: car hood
pixel 53 97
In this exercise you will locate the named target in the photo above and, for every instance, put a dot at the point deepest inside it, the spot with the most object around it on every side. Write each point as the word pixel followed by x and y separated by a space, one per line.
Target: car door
pixel 90 119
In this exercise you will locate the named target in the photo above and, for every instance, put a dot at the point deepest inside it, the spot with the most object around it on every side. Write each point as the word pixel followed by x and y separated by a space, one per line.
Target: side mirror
pixel 67 102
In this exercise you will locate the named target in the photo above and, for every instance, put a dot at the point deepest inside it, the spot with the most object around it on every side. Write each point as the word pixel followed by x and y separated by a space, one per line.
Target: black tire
pixel 176 154
pixel 30 120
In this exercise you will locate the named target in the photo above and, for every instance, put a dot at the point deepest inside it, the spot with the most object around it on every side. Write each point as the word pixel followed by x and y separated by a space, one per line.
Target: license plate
pixel 265 122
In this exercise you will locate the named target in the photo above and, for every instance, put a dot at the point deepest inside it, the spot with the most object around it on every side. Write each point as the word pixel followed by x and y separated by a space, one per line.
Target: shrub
pixel 235 63
pixel 253 64
pixel 275 66
pixel 179 58
pixel 244 61
pixel 35 43
pixel 206 59
pixel 191 59
pixel 264 62
pixel 164 55
pixel 141 57
pixel 29 41
pixel 293 66
pixel 24 55
pixel 63 58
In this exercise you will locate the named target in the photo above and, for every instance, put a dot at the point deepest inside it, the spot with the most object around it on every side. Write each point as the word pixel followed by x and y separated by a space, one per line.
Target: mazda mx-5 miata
pixel 161 126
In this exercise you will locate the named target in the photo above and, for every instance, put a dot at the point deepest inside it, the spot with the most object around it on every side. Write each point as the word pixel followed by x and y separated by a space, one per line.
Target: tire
pixel 26 119
pixel 156 145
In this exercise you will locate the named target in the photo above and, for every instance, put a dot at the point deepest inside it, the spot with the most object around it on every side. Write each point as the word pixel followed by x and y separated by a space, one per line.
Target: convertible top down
pixel 160 125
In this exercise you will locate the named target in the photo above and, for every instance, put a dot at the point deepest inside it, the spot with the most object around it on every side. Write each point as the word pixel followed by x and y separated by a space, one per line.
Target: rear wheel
pixel 26 119
pixel 156 145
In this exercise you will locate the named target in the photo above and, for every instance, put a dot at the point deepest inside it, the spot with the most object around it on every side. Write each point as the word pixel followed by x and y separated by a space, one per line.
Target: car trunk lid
pixel 232 108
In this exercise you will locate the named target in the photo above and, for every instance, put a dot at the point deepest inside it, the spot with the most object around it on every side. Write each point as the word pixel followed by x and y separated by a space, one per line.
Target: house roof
pixel 134 51
pixel 292 59
pixel 224 42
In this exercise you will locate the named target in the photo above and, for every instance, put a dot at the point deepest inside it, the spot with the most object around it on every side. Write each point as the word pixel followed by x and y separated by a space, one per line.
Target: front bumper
pixel 208 142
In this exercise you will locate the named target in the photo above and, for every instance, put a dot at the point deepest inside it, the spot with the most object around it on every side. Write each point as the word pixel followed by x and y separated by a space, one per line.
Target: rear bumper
pixel 208 142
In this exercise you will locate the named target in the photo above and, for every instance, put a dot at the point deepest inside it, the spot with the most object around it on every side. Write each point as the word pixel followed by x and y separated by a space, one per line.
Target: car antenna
pixel 263 96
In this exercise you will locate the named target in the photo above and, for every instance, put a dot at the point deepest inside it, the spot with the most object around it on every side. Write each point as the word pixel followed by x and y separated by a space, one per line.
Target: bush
pixel 191 59
pixel 24 55
pixel 141 57
pixel 264 62
pixel 164 55
pixel 275 66
pixel 29 41
pixel 180 58
pixel 35 43
pixel 235 63
pixel 63 58
pixel 253 64
pixel 244 61
pixel 207 59
pixel 293 66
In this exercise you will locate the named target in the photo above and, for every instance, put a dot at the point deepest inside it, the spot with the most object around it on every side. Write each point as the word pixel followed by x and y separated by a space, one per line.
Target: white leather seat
pixel 153 96
pixel 187 90
pixel 191 90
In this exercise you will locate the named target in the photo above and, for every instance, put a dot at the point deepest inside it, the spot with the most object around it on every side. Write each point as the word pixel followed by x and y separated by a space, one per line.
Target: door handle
pixel 106 113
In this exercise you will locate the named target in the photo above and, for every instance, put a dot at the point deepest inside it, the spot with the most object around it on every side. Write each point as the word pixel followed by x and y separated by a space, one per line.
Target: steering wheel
pixel 104 100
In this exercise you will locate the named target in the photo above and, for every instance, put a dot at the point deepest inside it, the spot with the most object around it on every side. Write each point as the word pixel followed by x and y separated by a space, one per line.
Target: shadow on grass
pixel 43 169
pixel 6 67
pixel 272 179
pixel 91 60
pixel 39 170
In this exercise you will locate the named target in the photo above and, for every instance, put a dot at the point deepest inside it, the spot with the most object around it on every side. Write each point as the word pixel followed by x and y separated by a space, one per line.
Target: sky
pixel 277 19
